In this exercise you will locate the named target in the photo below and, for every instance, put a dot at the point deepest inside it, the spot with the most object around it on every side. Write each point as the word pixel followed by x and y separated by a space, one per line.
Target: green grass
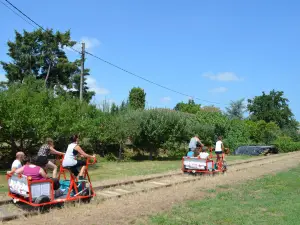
pixel 111 170
pixel 114 170
pixel 269 200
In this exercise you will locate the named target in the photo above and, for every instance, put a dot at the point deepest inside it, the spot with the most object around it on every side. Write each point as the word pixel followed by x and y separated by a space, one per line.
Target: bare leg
pixel 53 167
pixel 82 171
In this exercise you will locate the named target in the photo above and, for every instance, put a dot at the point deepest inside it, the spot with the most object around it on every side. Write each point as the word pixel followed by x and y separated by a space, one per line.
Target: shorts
pixel 41 161
pixel 74 169
pixel 219 152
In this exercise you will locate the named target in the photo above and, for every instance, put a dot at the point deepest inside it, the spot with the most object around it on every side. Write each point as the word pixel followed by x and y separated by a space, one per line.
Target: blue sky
pixel 213 50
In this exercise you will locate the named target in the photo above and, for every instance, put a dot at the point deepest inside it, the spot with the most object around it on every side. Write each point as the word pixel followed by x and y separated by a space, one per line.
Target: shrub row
pixel 29 113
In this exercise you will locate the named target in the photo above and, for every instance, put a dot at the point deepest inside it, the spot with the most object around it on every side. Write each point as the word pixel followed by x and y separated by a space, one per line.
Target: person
pixel 17 163
pixel 195 144
pixel 70 158
pixel 43 153
pixel 219 148
pixel 190 153
pixel 203 154
pixel 34 169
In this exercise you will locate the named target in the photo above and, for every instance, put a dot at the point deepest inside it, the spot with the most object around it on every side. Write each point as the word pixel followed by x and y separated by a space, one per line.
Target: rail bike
pixel 39 193
pixel 208 165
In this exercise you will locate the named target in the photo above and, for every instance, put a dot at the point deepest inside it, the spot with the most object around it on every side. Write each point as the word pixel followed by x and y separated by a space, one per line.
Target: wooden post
pixel 82 70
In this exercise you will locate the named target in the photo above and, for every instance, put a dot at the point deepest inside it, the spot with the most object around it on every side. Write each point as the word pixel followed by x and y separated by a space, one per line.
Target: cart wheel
pixel 40 200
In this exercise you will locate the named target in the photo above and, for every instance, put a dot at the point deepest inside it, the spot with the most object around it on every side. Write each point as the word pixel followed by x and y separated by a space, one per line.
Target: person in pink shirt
pixel 36 172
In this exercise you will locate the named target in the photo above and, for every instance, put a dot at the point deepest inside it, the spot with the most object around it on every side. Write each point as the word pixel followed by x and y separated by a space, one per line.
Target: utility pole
pixel 82 70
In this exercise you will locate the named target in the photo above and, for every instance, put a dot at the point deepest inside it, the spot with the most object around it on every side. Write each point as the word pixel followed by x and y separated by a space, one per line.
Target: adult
pixel 17 163
pixel 36 172
pixel 195 144
pixel 43 153
pixel 70 158
pixel 219 148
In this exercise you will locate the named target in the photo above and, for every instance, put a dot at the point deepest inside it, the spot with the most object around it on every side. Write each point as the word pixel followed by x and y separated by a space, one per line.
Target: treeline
pixel 30 112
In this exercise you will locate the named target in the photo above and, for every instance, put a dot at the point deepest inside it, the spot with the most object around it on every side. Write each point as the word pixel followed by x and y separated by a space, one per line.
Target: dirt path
pixel 135 209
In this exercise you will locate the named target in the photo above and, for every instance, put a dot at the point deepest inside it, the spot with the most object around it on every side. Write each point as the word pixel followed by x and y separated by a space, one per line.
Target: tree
pixel 190 107
pixel 137 98
pixel 236 109
pixel 114 108
pixel 272 107
pixel 210 109
pixel 40 54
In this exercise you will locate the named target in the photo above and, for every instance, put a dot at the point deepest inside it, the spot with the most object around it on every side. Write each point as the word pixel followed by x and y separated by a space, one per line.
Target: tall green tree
pixel 190 107
pixel 137 98
pixel 272 107
pixel 236 109
pixel 41 54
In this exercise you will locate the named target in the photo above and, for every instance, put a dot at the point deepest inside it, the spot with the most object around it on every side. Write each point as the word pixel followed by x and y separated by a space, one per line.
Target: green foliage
pixel 286 144
pixel 40 54
pixel 263 132
pixel 190 107
pixel 159 126
pixel 29 113
pixel 237 134
pixel 272 107
pixel 236 109
pixel 137 98
pixel 211 109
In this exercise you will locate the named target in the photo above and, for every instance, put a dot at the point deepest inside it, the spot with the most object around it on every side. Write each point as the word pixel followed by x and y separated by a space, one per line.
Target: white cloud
pixel 219 90
pixel 93 86
pixel 166 99
pixel 90 43
pixel 225 76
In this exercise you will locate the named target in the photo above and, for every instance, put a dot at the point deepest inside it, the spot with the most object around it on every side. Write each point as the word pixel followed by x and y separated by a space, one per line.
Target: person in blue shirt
pixel 190 154
pixel 195 144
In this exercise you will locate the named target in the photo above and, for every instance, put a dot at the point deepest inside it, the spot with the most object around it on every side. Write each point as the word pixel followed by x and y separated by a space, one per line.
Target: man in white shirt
pixel 17 162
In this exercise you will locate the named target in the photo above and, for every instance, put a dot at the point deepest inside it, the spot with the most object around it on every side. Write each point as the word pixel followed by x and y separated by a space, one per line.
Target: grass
pixel 113 170
pixel 269 200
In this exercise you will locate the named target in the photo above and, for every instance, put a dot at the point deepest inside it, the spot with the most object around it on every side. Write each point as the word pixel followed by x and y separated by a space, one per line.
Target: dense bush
pixel 286 144
pixel 29 113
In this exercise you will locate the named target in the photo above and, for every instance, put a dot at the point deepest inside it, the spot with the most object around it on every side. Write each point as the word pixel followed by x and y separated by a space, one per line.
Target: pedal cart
pixel 197 165
pixel 39 193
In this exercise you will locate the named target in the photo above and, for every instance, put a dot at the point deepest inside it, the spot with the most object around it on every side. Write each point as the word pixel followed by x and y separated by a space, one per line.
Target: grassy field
pixel 112 170
pixel 270 200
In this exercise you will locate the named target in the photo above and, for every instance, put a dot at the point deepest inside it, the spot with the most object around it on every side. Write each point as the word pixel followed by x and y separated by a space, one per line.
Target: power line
pixel 149 81
pixel 25 15
pixel 111 64
pixel 17 14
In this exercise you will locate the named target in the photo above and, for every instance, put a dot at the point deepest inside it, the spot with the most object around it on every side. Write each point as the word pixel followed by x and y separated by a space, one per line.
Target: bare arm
pixel 20 170
pixel 53 151
pixel 82 153
pixel 222 146
pixel 43 173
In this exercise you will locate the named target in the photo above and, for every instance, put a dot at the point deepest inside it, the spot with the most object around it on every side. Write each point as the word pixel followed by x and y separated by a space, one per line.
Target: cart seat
pixel 18 184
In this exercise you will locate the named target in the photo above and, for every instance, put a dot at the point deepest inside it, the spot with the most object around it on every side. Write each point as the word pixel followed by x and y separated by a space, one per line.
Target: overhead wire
pixel 109 63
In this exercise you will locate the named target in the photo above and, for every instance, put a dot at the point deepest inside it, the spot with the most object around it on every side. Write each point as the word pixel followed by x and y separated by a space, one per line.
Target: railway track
pixel 10 211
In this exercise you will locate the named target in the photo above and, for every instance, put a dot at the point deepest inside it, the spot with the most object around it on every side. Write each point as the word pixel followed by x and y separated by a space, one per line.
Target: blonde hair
pixel 49 141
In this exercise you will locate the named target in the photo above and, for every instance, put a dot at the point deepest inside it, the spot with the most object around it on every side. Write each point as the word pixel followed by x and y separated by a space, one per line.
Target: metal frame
pixel 73 186
pixel 208 160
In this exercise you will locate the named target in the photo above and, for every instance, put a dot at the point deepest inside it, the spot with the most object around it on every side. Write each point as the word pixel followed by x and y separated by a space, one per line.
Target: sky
pixel 217 51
